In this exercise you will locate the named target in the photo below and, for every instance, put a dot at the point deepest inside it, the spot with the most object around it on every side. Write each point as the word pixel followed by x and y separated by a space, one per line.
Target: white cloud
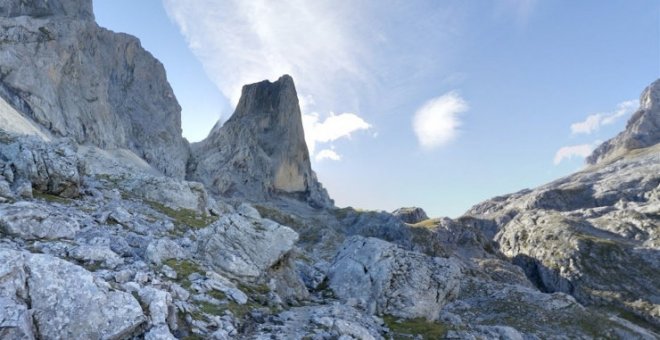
pixel 568 152
pixel 437 121
pixel 241 42
pixel 595 121
pixel 331 129
pixel 327 154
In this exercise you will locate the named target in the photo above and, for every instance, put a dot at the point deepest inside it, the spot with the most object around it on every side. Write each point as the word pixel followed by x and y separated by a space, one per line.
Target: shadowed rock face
pixel 643 129
pixel 260 151
pixel 78 80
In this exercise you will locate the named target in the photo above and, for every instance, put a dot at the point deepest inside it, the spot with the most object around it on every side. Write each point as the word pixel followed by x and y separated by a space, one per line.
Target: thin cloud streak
pixel 573 151
pixel 594 122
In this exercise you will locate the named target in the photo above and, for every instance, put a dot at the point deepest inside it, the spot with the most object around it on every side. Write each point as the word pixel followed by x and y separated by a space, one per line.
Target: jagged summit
pixel 260 151
pixel 642 130
pixel 79 9
pixel 64 74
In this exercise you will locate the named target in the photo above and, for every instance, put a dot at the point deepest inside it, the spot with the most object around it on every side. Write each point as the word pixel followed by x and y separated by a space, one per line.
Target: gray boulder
pixel 390 280
pixel 260 151
pixel 52 168
pixel 15 320
pixel 67 301
pixel 33 221
pixel 96 86
pixel 411 215
pixel 243 246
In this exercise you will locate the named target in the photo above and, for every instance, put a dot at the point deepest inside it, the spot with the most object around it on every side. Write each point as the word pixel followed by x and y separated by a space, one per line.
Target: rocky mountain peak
pixel 75 9
pixel 642 130
pixel 64 74
pixel 260 151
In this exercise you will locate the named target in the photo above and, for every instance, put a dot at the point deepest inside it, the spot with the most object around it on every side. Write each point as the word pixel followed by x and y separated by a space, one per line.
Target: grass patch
pixel 342 213
pixel 261 289
pixel 407 328
pixel 183 269
pixel 218 295
pixel 279 217
pixel 183 217
pixel 51 198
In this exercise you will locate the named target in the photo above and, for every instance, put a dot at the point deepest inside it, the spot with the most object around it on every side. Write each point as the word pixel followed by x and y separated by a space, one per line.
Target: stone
pixel 411 215
pixel 218 282
pixel 392 280
pixel 66 300
pixel 15 320
pixel 52 168
pixel 163 249
pixel 96 255
pixel 319 322
pixel 75 79
pixel 34 221
pixel 161 312
pixel 242 246
pixel 260 151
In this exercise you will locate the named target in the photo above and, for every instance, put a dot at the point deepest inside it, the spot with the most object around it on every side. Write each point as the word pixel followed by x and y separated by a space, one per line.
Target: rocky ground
pixel 96 246
pixel 102 238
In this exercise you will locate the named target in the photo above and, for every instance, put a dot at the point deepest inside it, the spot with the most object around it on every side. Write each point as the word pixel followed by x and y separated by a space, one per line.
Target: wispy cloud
pixel 521 10
pixel 437 122
pixel 331 129
pixel 568 152
pixel 595 121
pixel 327 154
pixel 241 42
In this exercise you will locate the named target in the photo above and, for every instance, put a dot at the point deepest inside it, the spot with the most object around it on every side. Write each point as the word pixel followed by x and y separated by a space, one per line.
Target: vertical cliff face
pixel 260 151
pixel 62 71
pixel 643 128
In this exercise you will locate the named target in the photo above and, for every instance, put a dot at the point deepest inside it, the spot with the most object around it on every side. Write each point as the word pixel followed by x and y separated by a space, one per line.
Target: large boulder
pixel 411 215
pixel 391 280
pixel 244 246
pixel 34 221
pixel 75 79
pixel 260 151
pixel 48 167
pixel 65 300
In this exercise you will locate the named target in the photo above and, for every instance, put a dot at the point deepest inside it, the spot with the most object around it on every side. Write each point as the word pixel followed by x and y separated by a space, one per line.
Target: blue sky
pixel 438 104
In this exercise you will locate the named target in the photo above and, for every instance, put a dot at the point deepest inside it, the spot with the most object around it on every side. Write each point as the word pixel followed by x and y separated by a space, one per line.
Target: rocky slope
pixel 97 244
pixel 594 234
pixel 260 151
pixel 72 78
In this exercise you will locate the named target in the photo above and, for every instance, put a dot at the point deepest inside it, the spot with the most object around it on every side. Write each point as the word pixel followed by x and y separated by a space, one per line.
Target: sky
pixel 430 103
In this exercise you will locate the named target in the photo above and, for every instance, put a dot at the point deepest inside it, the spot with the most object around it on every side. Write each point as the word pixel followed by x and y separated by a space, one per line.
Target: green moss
pixel 279 217
pixel 183 269
pixel 211 308
pixel 254 289
pixel 183 217
pixel 218 295
pixel 52 198
pixel 342 213
pixel 429 223
pixel 406 328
